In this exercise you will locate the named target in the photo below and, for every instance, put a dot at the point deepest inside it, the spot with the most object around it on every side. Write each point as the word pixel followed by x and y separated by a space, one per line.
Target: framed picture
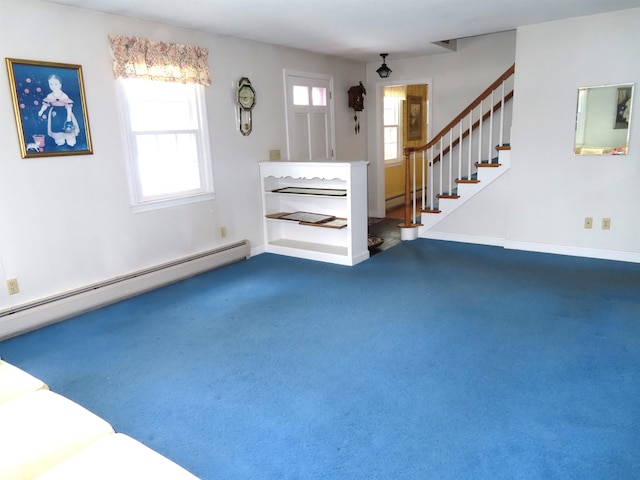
pixel 414 118
pixel 50 108
pixel 623 107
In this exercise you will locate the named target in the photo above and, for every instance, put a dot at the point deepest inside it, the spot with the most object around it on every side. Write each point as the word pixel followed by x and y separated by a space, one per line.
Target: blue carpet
pixel 431 360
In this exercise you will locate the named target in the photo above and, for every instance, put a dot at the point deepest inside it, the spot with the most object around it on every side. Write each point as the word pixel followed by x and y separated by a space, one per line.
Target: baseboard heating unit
pixel 32 315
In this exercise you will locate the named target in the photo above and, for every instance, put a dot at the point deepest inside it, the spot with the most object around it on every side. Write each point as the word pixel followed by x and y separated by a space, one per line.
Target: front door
pixel 310 134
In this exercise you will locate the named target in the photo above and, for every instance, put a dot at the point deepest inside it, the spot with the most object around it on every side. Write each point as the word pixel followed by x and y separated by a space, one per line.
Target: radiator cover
pixel 36 314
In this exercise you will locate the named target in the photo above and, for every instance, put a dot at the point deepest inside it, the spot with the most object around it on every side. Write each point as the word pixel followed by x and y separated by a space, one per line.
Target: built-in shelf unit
pixel 335 193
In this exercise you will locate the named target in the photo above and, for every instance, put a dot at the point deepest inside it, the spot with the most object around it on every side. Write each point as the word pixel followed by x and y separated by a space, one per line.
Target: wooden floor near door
pixel 396 212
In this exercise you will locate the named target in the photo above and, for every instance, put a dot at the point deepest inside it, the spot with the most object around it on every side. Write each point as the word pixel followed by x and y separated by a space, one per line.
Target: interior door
pixel 310 133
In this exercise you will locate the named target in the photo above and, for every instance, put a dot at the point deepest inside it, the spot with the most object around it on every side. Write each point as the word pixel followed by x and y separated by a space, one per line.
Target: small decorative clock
pixel 356 101
pixel 246 102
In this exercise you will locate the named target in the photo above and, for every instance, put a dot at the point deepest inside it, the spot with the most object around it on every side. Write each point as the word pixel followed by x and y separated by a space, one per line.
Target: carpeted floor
pixel 431 360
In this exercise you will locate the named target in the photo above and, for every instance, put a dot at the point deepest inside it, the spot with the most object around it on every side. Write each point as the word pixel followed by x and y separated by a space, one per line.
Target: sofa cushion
pixel 119 457
pixel 40 429
pixel 15 382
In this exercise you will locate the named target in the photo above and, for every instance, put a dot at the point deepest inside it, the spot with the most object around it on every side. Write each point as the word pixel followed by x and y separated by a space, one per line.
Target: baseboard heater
pixel 38 313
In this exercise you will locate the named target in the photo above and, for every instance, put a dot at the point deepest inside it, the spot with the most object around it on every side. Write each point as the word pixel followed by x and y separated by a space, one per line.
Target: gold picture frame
pixel 414 118
pixel 50 108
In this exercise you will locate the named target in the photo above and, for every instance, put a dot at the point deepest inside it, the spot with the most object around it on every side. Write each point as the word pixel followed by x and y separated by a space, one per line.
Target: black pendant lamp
pixel 384 71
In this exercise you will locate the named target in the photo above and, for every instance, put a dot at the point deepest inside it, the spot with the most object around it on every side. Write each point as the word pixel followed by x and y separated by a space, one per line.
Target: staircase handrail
pixel 510 71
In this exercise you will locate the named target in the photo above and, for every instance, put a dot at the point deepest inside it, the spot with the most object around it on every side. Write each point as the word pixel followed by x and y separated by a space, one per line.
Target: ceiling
pixel 354 29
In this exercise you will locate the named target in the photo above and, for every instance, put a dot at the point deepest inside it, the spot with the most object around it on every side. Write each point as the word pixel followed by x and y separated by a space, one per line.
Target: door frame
pixel 379 205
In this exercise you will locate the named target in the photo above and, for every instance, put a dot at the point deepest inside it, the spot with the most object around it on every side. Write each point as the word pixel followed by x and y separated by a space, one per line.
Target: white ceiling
pixel 354 29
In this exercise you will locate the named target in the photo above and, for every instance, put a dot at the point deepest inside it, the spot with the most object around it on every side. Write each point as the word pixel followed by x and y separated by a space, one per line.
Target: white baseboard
pixel 616 255
pixel 455 237
pixel 32 315
pixel 536 247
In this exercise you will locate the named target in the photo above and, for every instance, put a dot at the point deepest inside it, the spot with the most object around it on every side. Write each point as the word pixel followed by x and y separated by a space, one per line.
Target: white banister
pixel 432 194
pixel 470 141
pixel 414 189
pixel 490 143
pixel 502 115
pixel 480 116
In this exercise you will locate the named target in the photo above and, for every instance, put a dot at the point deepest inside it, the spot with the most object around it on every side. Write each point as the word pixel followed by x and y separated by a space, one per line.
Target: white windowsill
pixel 172 202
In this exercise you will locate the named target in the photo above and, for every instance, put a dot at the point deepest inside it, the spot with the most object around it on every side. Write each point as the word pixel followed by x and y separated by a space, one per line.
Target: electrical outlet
pixel 12 286
pixel 223 232
pixel 588 222
pixel 606 224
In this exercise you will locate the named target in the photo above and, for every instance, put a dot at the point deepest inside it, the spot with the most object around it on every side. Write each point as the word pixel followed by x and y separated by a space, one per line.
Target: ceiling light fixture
pixel 384 71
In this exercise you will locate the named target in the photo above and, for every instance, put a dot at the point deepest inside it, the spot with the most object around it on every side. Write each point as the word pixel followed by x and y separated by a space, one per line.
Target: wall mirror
pixel 602 119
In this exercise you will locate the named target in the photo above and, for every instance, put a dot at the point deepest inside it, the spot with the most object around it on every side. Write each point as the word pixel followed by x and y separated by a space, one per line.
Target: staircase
pixel 466 156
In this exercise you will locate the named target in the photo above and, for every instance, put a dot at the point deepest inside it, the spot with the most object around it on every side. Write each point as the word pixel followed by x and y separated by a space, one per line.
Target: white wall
pixel 66 222
pixel 551 189
pixel 455 79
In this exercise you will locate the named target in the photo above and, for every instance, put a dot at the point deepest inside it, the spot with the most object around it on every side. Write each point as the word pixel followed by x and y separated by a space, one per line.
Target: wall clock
pixel 246 102
pixel 356 101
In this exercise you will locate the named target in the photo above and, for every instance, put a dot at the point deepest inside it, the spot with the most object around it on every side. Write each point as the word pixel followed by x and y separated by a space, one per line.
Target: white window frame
pixel 399 157
pixel 141 203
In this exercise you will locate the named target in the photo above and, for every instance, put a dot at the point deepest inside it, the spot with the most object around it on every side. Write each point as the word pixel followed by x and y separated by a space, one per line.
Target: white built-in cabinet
pixel 330 189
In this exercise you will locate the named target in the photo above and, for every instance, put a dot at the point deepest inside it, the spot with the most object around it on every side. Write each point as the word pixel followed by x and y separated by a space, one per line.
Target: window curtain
pixel 135 57
pixel 396 91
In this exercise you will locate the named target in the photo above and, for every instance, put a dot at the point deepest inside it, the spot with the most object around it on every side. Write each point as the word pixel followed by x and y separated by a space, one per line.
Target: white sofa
pixel 46 436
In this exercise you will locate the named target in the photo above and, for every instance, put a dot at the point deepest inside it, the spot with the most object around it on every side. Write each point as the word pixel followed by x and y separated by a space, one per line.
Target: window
pixel 170 159
pixel 392 129
pixel 301 95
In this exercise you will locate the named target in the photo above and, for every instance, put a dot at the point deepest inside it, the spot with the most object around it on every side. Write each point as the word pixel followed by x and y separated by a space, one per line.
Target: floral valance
pixel 135 57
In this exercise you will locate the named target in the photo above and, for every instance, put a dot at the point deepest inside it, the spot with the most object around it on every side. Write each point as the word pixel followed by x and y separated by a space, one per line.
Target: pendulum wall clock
pixel 246 102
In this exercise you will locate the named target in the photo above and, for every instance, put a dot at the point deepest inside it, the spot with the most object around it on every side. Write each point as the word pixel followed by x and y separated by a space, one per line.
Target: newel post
pixel 408 229
pixel 407 186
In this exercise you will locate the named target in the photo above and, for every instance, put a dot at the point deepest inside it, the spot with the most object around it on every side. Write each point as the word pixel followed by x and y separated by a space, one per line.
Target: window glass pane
pixel 390 152
pixel 391 108
pixel 388 134
pixel 319 96
pixel 390 143
pixel 300 95
pixel 152 108
pixel 167 164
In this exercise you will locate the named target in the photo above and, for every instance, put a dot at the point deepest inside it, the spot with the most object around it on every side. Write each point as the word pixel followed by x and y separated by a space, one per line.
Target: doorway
pixel 404 124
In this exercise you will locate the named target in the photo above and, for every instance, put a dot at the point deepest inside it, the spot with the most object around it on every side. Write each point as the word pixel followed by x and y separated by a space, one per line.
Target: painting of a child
pixel 50 108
